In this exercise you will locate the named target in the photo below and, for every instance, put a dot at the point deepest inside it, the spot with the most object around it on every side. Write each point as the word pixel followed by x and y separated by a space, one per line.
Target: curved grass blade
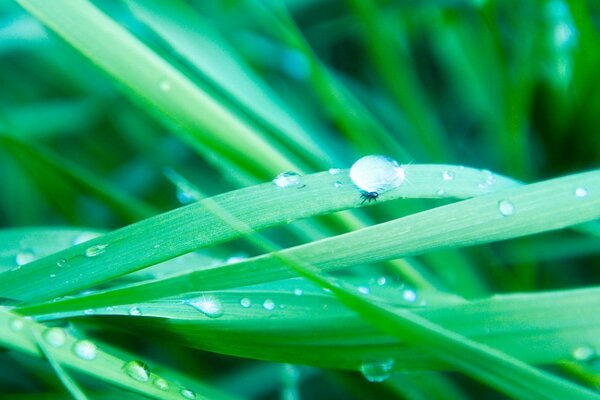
pixel 192 227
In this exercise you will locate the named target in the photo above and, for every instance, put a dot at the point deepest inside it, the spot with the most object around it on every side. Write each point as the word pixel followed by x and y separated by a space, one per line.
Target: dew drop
pixel 85 350
pixel 95 250
pixel 25 257
pixel 409 295
pixel 334 171
pixel 448 175
pixel 377 174
pixel 17 324
pixel 338 184
pixel 52 275
pixel 188 394
pixel 581 192
pixel 164 86
pixel 137 370
pixel 381 280
pixel 584 353
pixel 506 208
pixel 288 179
pixel 185 196
pixel 377 371
pixel 55 337
pixel 441 192
pixel 246 302
pixel 161 383
pixel 363 290
pixel 208 305
pixel 269 304
pixel 135 311
pixel 89 311
pixel 62 262
pixel 298 292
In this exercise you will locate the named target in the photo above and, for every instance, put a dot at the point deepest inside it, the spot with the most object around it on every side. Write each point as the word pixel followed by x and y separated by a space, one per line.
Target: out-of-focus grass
pixel 110 103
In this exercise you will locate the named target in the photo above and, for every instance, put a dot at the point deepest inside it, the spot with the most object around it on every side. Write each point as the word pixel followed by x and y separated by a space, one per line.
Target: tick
pixel 368 196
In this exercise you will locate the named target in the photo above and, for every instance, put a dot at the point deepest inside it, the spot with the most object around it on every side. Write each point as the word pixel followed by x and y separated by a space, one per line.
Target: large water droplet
pixel 137 370
pixel 95 250
pixel 506 208
pixel 288 179
pixel 161 383
pixel 135 311
pixel 269 304
pixel 581 192
pixel 188 394
pixel 377 371
pixel 24 257
pixel 245 302
pixel 377 174
pixel 584 353
pixel 55 337
pixel 207 304
pixel 85 350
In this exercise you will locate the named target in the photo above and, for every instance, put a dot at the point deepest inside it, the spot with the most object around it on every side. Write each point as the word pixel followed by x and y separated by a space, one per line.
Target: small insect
pixel 368 196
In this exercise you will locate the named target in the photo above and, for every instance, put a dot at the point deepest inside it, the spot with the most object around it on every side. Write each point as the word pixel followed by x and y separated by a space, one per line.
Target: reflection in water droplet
pixel 137 370
pixel 245 302
pixel 288 179
pixel 188 394
pixel 448 175
pixel 584 353
pixel 85 350
pixel 95 250
pixel 377 371
pixel 55 337
pixel 506 208
pixel 135 311
pixel 334 171
pixel 581 192
pixel 269 304
pixel 377 174
pixel 207 304
pixel 161 383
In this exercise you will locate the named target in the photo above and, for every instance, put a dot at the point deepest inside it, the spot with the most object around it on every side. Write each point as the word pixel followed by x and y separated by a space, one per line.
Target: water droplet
pixel 245 302
pixel 84 237
pixel 334 171
pixel 441 192
pixel 17 324
pixel 161 383
pixel 506 208
pixel 381 280
pixel 377 371
pixel 156 246
pixel 25 257
pixel 85 350
pixel 363 290
pixel 236 259
pixel 448 175
pixel 52 275
pixel 188 394
pixel 338 184
pixel 137 370
pixel 95 250
pixel 584 353
pixel 208 305
pixel 89 311
pixel 409 295
pixel 62 262
pixel 135 311
pixel 376 174
pixel 165 86
pixel 581 192
pixel 298 292
pixel 184 195
pixel 288 179
pixel 269 304
pixel 55 337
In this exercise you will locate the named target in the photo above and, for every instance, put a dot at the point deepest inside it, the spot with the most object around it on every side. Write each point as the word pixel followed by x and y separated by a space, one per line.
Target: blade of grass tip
pixel 66 380
pixel 488 365
pixel 508 213
pixel 193 37
pixel 152 79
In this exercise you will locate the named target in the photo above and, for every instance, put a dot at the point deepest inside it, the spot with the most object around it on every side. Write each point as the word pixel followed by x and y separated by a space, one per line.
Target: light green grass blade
pixel 16 334
pixel 147 76
pixel 192 227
